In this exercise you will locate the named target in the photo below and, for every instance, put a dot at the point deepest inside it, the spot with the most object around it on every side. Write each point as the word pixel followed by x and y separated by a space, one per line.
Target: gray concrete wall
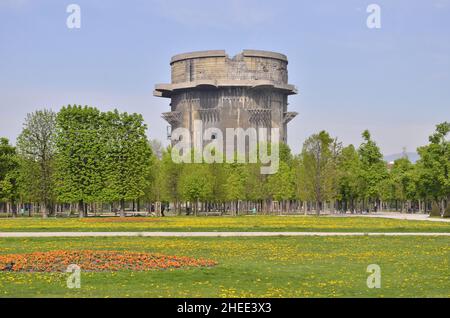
pixel 264 66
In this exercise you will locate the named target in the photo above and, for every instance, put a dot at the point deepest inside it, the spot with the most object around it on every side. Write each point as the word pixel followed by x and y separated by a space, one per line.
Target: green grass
pixel 241 223
pixel 249 267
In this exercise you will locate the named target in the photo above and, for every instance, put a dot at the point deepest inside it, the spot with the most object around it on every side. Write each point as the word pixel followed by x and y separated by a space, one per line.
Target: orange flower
pixel 57 261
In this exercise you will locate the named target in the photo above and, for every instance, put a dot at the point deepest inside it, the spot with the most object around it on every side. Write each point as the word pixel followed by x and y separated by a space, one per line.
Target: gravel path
pixel 396 215
pixel 204 234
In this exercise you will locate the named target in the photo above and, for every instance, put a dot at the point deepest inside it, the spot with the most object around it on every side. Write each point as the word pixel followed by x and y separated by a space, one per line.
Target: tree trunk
pixel 122 208
pixel 13 209
pixel 44 210
pixel 81 209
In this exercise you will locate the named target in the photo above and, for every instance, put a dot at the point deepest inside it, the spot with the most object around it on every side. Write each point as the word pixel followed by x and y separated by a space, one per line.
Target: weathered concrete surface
pixel 250 89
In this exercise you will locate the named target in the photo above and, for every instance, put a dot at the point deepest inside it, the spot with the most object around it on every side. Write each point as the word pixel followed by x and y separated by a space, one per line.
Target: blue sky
pixel 394 81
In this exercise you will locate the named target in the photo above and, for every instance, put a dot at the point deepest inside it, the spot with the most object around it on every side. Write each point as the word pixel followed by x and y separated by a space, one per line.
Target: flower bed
pixel 57 261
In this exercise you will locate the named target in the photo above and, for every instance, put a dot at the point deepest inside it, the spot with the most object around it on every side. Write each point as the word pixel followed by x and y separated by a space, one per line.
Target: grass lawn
pixel 250 267
pixel 241 223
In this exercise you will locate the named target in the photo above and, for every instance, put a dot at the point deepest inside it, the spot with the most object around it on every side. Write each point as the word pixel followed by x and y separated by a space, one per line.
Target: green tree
pixel 373 171
pixel 81 156
pixel 256 186
pixel 28 180
pixel 128 159
pixel 154 190
pixel 7 157
pixel 318 169
pixel 8 175
pixel 434 166
pixel 36 146
pixel 196 184
pixel 402 180
pixel 282 184
pixel 217 172
pixel 348 182
pixel 235 185
pixel 171 174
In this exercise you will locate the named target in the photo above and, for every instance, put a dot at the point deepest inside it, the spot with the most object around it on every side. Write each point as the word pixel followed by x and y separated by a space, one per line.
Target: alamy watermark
pixel 74 279
pixel 74 19
pixel 374 279
pixel 260 145
pixel 374 19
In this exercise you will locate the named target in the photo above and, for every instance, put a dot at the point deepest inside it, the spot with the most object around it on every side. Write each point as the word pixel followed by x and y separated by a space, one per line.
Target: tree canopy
pixel 82 160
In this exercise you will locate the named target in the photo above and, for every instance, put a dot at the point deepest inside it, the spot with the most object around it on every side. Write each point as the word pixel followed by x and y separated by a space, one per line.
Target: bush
pixel 435 210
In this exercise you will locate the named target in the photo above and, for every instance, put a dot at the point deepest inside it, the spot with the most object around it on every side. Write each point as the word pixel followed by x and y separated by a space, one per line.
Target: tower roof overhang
pixel 167 90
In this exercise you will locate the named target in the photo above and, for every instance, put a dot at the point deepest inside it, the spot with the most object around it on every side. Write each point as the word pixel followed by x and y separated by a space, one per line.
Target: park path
pixel 205 234
pixel 396 215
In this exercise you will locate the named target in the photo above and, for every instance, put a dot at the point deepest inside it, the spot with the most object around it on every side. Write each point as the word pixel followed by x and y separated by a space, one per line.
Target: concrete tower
pixel 248 90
